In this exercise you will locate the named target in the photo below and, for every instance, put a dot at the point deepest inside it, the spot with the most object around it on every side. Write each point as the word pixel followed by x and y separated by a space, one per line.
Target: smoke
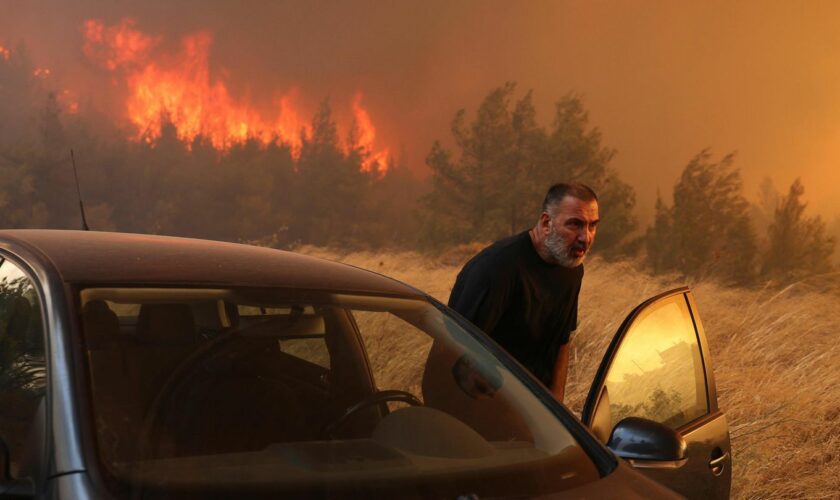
pixel 661 81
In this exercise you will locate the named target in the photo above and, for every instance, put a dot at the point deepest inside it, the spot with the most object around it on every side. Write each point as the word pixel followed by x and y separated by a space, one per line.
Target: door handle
pixel 717 464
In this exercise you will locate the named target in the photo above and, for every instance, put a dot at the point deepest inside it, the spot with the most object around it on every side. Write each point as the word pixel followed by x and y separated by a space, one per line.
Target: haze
pixel 662 80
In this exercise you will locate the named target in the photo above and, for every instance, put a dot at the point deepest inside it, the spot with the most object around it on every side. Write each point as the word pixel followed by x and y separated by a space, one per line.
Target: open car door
pixel 657 368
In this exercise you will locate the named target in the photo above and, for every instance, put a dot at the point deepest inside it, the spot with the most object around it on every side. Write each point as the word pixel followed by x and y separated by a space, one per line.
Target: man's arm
pixel 561 368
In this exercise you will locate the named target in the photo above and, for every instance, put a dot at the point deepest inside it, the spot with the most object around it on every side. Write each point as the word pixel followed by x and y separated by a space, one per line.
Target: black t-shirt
pixel 525 304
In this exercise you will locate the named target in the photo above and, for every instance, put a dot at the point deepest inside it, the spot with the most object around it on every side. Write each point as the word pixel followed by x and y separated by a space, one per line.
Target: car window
pixel 396 349
pixel 302 391
pixel 657 372
pixel 22 366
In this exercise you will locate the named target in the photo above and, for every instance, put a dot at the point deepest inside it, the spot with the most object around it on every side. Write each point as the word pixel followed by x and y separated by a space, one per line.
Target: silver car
pixel 136 366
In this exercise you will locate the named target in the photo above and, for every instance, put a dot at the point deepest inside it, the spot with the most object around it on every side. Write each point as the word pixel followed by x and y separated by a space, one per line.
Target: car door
pixel 658 367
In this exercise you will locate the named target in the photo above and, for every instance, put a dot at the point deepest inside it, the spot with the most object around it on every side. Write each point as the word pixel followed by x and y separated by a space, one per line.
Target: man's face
pixel 571 230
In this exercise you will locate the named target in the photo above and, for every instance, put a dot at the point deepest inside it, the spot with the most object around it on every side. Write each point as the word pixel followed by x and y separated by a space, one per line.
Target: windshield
pixel 220 391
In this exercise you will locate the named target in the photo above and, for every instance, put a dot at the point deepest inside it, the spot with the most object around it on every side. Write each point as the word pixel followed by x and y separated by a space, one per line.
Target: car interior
pixel 182 381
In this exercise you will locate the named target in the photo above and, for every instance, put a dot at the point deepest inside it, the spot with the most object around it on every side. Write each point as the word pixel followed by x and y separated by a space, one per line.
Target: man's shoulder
pixel 491 268
pixel 501 252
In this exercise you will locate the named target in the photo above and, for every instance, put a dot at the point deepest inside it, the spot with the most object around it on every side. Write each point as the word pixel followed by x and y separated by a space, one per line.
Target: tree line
pixel 488 183
pixel 493 183
pixel 318 194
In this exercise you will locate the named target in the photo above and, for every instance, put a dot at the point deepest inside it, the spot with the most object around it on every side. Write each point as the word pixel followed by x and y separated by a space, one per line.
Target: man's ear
pixel 545 219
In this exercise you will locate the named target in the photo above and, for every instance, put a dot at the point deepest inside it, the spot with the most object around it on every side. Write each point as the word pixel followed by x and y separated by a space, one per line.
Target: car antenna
pixel 78 191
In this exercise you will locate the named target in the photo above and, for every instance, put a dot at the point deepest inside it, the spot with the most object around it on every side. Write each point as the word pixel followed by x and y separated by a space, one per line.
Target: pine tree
pixel 660 238
pixel 505 164
pixel 707 232
pixel 798 245
pixel 330 186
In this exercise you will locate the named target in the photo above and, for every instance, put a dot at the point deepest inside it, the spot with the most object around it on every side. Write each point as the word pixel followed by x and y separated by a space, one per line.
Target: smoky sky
pixel 662 80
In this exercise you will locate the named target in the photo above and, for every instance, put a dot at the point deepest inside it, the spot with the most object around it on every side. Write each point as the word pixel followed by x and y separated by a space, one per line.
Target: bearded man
pixel 523 290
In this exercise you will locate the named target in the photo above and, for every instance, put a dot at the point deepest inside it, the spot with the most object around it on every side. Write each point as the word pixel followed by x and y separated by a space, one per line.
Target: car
pixel 137 366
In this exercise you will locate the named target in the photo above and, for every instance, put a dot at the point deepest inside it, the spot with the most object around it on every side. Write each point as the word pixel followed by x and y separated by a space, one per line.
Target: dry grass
pixel 775 353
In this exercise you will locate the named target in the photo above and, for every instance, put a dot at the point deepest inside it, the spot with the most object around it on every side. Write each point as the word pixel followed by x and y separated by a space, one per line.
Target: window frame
pixel 602 460
pixel 593 398
pixel 43 461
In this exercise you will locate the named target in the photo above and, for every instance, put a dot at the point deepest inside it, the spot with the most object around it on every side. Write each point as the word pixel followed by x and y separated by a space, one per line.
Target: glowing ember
pixel 4 53
pixel 67 100
pixel 42 73
pixel 177 87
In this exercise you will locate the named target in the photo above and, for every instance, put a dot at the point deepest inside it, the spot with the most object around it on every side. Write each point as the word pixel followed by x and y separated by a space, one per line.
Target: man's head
pixel 567 225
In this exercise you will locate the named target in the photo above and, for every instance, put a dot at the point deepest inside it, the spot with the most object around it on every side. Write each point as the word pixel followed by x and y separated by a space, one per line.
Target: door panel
pixel 706 442
pixel 658 367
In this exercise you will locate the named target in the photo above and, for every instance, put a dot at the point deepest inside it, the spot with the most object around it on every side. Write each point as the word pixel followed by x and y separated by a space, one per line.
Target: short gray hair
pixel 557 192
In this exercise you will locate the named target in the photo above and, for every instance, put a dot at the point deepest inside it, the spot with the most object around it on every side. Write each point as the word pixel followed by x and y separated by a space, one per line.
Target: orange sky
pixel 661 79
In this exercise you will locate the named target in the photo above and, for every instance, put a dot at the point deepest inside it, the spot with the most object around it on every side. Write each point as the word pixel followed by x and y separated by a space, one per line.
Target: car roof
pixel 103 257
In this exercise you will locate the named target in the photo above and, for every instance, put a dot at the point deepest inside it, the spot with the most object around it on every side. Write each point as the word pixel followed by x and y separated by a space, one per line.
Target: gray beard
pixel 560 251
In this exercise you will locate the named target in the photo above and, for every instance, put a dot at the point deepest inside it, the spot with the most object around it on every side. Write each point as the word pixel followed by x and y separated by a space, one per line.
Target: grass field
pixel 775 353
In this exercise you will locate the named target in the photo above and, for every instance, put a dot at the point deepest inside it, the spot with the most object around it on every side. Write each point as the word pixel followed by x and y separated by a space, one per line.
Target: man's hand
pixel 561 368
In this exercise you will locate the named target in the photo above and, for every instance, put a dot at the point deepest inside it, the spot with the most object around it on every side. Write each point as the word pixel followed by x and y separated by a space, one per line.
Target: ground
pixel 774 351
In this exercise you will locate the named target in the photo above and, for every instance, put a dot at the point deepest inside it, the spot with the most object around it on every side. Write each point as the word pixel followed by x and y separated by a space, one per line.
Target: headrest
pixel 166 323
pixel 100 323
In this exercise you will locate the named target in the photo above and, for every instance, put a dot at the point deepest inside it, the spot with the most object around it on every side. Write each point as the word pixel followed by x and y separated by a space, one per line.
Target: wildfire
pixel 116 46
pixel 4 53
pixel 42 73
pixel 177 87
pixel 366 136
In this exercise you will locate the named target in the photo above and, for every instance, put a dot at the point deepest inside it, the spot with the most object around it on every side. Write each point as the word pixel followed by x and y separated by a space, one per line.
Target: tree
pixel 468 195
pixel 660 238
pixel 506 162
pixel 834 231
pixel 576 153
pixel 797 245
pixel 707 231
pixel 330 187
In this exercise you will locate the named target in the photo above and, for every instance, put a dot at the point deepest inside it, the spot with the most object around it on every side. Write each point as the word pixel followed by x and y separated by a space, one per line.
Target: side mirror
pixel 647 444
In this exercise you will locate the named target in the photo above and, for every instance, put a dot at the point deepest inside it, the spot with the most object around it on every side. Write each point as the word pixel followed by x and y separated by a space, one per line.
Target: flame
pixel 116 46
pixel 366 137
pixel 65 98
pixel 184 94
pixel 177 87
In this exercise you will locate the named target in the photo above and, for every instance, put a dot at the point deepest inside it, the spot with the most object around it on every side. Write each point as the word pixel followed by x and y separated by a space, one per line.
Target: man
pixel 523 290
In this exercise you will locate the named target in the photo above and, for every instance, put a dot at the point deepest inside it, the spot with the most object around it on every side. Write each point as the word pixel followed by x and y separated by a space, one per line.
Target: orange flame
pixel 366 136
pixel 116 46
pixel 178 88
pixel 42 73
pixel 4 53
pixel 185 95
